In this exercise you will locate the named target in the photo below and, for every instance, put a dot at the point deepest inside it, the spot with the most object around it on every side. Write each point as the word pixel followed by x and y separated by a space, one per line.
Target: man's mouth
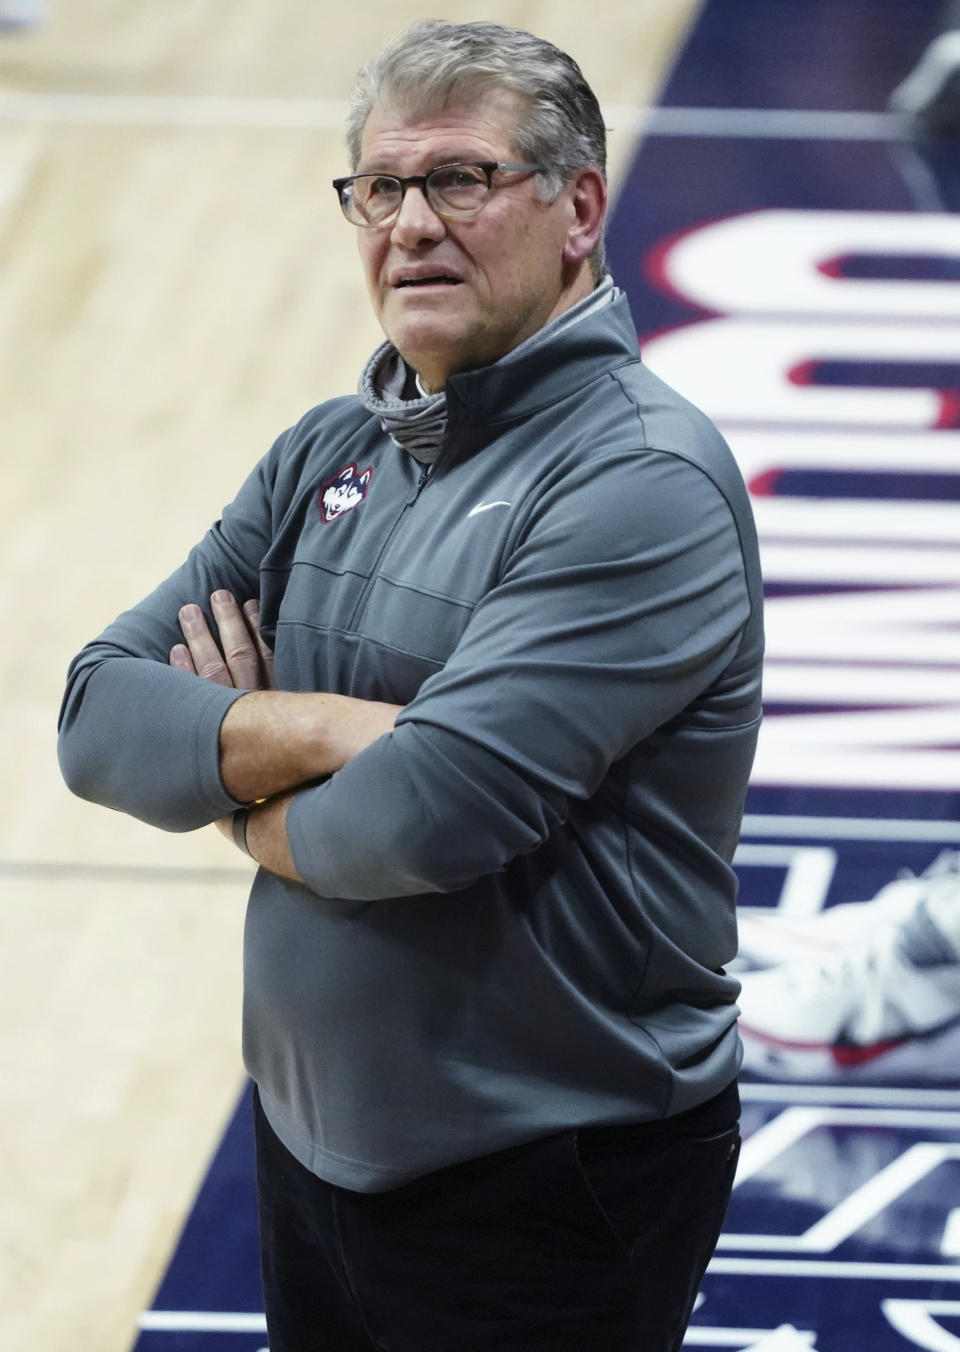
pixel 439 279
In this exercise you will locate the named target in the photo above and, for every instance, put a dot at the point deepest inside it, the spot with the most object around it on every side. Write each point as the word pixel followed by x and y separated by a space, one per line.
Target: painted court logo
pixel 347 490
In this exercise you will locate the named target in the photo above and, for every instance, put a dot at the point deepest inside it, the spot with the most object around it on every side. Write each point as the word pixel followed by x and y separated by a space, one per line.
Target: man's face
pixel 454 295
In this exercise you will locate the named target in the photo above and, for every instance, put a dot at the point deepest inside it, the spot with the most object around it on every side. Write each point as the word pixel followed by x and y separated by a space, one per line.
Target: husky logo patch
pixel 347 490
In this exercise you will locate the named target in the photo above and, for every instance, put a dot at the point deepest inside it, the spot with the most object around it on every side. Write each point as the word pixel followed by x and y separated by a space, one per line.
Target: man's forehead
pixel 481 125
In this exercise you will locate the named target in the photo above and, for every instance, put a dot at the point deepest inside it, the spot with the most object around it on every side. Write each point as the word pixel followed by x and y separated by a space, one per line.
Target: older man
pixel 510 593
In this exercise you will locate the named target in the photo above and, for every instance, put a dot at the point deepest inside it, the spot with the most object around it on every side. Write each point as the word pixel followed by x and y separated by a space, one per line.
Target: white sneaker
pixel 866 1012
pixel 769 937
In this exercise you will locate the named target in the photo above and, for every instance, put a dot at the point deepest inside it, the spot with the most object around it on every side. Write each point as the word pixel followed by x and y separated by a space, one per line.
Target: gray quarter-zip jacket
pixel 517 906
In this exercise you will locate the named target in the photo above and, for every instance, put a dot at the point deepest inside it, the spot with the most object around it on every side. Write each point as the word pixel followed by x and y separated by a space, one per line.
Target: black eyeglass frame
pixel 422 181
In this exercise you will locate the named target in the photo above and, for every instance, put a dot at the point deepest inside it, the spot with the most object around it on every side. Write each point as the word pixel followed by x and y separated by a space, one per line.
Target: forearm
pixel 275 740
pixel 138 737
pixel 261 831
pixel 271 740
pixel 434 811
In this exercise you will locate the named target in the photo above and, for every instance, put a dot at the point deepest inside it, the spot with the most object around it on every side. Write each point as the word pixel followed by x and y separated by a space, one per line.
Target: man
pixel 512 600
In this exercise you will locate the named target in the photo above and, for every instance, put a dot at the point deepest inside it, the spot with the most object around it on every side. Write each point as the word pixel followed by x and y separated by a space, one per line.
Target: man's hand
pixel 241 658
pixel 272 741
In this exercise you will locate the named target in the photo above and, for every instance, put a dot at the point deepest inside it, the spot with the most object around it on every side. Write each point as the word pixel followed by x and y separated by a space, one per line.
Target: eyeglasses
pixel 453 191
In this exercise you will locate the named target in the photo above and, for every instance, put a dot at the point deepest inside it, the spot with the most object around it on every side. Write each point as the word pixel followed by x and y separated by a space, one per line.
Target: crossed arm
pixel 271 741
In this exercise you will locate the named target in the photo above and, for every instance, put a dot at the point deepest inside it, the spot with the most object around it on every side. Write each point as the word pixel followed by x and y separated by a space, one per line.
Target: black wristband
pixel 240 828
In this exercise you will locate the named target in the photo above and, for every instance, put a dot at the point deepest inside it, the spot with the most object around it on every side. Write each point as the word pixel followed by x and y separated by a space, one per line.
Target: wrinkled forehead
pixel 470 105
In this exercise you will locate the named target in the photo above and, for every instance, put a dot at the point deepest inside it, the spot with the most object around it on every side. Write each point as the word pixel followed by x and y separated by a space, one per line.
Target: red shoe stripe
pixel 849 1055
pixel 843 1054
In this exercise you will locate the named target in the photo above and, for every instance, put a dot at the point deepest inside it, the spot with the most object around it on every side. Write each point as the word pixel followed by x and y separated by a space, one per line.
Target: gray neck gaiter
pixel 419 423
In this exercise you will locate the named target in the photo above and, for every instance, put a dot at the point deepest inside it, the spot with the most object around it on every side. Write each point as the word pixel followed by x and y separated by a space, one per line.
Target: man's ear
pixel 589 201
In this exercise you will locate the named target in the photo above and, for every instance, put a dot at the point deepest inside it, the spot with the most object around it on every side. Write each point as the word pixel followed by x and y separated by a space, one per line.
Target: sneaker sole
pixel 925 1058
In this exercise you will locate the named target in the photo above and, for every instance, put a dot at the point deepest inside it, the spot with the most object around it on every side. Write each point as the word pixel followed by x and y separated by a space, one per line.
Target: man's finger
pixel 251 611
pixel 206 656
pixel 181 659
pixel 239 650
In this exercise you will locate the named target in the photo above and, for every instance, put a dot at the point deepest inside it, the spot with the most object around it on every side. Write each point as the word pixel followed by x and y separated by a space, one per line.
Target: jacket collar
pixel 539 374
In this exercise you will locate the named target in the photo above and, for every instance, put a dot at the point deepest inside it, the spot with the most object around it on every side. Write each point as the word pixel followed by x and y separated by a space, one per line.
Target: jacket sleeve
pixel 134 733
pixel 624 599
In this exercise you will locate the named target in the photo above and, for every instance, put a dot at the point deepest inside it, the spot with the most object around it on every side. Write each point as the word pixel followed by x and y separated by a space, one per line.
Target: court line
pixel 850 828
pixel 702 1335
pixel 828 1095
pixel 139 873
pixel 855 1211
pixel 208 110
pixel 194 1321
pixel 849 1115
pixel 950 1243
pixel 778 124
pixel 201 1321
pixel 865 1203
pixel 171 110
pixel 774 1138
pixel 805 1267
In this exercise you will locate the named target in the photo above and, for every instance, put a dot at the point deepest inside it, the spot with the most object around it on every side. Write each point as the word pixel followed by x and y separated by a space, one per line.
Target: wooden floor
pixel 176 286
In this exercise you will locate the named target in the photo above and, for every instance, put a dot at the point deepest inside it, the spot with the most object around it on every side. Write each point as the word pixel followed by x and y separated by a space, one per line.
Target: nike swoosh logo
pixel 485 507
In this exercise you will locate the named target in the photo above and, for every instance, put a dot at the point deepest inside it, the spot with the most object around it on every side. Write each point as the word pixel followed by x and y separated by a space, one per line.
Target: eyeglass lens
pixel 459 188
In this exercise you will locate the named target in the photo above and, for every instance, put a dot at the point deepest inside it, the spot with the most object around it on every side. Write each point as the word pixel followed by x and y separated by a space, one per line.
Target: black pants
pixel 594 1239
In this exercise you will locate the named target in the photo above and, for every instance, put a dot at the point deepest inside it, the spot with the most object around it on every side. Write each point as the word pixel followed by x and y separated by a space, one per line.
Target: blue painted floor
pixel 844 1231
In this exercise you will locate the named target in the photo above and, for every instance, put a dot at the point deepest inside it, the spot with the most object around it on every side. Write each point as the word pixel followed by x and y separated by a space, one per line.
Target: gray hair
pixel 432 63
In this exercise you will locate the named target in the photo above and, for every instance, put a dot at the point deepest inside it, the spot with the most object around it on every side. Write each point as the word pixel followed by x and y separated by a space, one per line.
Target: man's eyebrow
pixel 437 162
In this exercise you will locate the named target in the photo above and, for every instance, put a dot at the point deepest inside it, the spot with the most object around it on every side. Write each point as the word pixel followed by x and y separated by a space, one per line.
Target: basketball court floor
pixel 176 286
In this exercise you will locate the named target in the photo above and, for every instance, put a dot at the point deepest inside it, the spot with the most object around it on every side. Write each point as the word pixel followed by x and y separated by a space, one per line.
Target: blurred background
pixel 177 286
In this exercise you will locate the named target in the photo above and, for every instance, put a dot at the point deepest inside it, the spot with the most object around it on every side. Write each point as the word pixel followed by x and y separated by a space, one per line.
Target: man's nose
pixel 417 220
